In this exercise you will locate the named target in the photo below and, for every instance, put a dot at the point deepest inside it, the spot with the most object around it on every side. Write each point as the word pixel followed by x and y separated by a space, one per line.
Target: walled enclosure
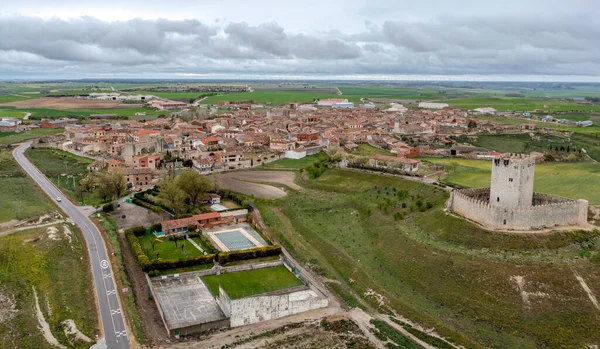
pixel 274 305
pixel 549 211
pixel 511 204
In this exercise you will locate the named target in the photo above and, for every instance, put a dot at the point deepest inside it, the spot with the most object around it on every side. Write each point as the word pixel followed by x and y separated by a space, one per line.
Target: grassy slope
pixel 434 268
pixel 14 184
pixel 572 180
pixel 368 150
pixel 52 163
pixel 61 278
pixel 34 133
pixel 167 248
pixel 252 282
pixel 295 164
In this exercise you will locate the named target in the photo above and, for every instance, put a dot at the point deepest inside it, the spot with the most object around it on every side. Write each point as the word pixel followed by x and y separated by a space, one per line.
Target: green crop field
pixel 387 92
pixel 13 98
pixel 389 242
pixel 16 137
pixel 296 163
pixel 167 249
pixel 56 267
pixel 271 97
pixel 9 113
pixel 577 180
pixel 252 282
pixel 519 104
pixel 14 185
pixel 594 129
pixel 52 164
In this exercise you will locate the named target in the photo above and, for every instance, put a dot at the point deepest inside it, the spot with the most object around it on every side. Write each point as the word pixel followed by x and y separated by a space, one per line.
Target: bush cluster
pixel 108 207
pixel 141 200
pixel 232 256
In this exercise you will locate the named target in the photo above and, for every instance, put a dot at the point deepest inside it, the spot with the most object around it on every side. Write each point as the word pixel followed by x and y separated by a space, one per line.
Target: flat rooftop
pixel 185 302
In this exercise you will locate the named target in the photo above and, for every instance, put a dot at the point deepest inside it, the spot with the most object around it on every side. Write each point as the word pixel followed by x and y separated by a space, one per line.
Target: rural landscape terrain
pixel 212 197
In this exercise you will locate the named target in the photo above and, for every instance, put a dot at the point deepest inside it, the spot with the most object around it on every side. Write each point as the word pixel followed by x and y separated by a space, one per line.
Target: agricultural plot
pixel 14 185
pixel 387 92
pixel 44 278
pixel 252 282
pixel 16 137
pixel 519 104
pixel 474 287
pixel 573 180
pixel 270 97
pixel 296 163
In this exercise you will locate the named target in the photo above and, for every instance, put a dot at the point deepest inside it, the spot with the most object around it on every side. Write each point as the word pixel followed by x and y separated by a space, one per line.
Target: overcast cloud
pixel 75 39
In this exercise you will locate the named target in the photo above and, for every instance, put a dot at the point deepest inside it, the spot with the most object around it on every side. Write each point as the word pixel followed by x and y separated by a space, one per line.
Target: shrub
pixel 108 207
pixel 157 227
pixel 232 256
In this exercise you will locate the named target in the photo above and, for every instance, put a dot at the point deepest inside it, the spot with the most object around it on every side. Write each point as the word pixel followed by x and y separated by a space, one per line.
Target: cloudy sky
pixel 386 39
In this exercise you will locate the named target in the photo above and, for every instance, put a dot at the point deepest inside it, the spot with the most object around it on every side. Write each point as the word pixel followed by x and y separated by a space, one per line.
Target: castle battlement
pixel 511 204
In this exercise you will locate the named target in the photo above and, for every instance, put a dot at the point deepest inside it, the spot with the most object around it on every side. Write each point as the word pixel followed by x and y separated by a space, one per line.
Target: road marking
pixel 117 311
pixel 106 275
pixel 108 293
pixel 104 264
pixel 122 333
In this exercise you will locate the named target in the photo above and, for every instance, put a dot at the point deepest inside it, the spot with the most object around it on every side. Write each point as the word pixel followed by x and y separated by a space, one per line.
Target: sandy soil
pixel 249 182
pixel 66 103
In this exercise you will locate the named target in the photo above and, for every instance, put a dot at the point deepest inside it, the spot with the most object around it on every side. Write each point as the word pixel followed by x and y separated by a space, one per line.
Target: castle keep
pixel 511 204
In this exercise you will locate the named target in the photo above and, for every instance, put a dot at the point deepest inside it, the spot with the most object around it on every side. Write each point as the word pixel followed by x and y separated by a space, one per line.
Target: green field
pixel 370 233
pixel 595 129
pixel 295 164
pixel 252 282
pixel 52 164
pixel 13 98
pixel 519 104
pixel 572 180
pixel 166 249
pixel 387 92
pixel 365 149
pixel 59 272
pixel 85 113
pixel 271 97
pixel 14 185
pixel 16 137
pixel 11 113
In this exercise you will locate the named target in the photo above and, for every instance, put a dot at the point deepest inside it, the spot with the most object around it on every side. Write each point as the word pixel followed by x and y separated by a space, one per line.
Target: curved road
pixel 113 325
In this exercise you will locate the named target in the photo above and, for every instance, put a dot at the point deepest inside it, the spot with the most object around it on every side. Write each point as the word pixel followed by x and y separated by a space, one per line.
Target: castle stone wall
pixel 512 181
pixel 550 211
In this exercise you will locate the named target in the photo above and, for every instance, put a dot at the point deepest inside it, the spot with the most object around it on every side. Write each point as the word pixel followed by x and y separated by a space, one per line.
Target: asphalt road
pixel 113 324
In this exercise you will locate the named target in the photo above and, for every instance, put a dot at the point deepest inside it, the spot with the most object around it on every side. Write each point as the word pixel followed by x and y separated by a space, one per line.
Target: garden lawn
pixel 166 249
pixel 577 180
pixel 252 282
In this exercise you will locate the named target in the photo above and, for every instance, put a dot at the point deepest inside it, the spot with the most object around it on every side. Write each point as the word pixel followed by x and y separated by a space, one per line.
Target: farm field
pixel 595 129
pixel 10 113
pixel 270 97
pixel 14 185
pixel 387 92
pixel 390 245
pixel 252 282
pixel 52 164
pixel 52 262
pixel 519 104
pixel 62 103
pixel 16 137
pixel 167 249
pixel 573 180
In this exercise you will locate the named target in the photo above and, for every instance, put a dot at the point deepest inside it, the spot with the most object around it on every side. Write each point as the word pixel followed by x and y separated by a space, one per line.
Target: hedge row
pixel 206 244
pixel 232 256
pixel 141 197
pixel 144 262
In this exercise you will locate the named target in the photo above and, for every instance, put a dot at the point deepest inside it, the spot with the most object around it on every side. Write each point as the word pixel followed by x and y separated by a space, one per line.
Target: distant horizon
pixel 327 78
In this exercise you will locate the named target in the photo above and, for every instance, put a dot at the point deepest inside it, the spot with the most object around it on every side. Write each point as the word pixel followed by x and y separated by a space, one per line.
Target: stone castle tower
pixel 512 181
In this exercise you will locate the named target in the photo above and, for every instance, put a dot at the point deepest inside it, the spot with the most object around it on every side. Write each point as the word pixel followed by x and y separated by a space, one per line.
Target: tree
pixel 193 185
pixel 170 194
pixel 118 182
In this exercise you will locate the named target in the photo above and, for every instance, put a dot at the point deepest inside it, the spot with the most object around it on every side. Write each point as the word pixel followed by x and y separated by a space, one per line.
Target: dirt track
pixel 249 182
pixel 65 103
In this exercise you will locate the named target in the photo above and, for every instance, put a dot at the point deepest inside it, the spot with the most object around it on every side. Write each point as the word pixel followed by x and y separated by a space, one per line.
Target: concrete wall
pixel 251 310
pixel 557 211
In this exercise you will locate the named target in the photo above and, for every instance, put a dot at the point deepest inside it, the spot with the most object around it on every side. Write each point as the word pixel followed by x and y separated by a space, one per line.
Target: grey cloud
pixel 497 44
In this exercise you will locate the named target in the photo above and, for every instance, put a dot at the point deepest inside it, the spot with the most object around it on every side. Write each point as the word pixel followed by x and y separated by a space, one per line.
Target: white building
pixel 330 101
pixel 343 105
pixel 298 153
pixel 485 111
pixel 430 105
